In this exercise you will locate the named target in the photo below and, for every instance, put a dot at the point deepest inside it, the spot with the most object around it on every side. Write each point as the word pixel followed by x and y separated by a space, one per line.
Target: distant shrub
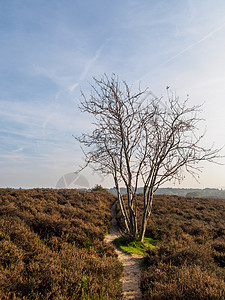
pixel 99 188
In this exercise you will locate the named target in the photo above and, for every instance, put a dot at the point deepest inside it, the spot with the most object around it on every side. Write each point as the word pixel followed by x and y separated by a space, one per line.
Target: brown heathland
pixel 189 259
pixel 51 245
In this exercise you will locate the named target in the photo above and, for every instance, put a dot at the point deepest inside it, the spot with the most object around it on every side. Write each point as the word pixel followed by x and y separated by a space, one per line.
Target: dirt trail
pixel 131 264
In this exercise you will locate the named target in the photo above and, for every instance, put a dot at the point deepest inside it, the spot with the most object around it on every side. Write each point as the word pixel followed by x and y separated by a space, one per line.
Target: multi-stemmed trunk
pixel 129 215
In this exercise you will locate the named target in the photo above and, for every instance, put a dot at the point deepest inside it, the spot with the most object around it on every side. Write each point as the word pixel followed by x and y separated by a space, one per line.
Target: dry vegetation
pixel 51 245
pixel 189 260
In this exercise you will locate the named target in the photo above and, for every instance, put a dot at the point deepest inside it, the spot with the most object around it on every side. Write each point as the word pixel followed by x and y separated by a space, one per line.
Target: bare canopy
pixel 140 139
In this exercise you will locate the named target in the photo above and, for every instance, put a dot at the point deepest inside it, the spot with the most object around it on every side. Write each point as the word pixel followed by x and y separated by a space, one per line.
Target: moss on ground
pixel 127 245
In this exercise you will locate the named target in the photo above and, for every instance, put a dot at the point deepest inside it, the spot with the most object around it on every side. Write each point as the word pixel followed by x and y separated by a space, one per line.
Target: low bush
pixel 186 282
pixel 51 245
pixel 189 261
pixel 189 258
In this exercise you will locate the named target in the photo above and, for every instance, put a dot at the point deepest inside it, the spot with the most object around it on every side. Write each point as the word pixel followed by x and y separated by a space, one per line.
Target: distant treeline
pixel 208 192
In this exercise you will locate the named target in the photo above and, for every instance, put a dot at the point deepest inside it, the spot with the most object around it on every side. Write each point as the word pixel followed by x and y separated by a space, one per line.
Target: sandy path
pixel 131 264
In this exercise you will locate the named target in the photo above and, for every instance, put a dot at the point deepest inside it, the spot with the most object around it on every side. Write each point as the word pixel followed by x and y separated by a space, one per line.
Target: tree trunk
pixel 143 227
pixel 123 211
pixel 134 230
pixel 146 214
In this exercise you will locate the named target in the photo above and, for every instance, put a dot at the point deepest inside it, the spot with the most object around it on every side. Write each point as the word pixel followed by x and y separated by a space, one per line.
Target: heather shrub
pixel 10 254
pixel 51 245
pixel 178 254
pixel 187 282
pixel 188 261
pixel 219 258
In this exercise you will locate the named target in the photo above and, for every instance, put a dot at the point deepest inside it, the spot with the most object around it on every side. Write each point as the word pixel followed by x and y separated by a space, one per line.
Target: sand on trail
pixel 131 264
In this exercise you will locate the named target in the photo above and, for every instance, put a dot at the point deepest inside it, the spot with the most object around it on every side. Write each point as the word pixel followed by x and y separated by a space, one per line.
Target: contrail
pixel 88 65
pixel 86 69
pixel 208 35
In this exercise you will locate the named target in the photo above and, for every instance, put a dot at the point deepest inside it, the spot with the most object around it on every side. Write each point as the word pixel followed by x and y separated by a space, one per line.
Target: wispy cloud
pixel 73 87
pixel 18 150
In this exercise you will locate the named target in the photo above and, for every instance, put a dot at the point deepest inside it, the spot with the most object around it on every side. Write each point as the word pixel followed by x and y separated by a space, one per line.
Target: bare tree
pixel 140 139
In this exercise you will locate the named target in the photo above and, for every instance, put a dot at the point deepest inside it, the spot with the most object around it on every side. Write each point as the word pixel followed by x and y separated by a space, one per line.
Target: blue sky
pixel 51 49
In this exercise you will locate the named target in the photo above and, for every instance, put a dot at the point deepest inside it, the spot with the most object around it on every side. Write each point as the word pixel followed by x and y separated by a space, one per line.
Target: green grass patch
pixel 136 247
